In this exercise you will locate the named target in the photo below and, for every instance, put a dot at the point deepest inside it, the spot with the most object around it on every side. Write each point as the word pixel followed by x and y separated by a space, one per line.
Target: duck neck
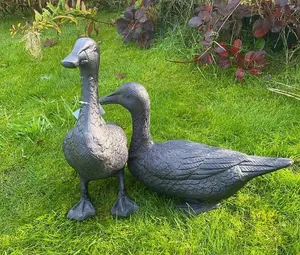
pixel 89 95
pixel 141 137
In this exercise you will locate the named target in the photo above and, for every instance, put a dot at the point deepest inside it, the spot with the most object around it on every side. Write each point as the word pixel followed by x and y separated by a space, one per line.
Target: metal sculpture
pixel 94 148
pixel 200 174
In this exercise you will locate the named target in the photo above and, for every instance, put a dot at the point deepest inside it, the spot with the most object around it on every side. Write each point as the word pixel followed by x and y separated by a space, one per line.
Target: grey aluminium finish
pixel 200 174
pixel 94 148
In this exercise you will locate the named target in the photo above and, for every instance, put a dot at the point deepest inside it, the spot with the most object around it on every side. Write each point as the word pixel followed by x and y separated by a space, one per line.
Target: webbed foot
pixel 195 207
pixel 82 210
pixel 124 206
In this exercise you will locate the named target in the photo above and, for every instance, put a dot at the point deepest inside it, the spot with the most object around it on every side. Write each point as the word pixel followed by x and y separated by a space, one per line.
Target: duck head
pixel 85 55
pixel 133 96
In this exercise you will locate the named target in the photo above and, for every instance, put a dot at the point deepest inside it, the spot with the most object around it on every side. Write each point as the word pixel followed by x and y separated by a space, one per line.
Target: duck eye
pixel 126 96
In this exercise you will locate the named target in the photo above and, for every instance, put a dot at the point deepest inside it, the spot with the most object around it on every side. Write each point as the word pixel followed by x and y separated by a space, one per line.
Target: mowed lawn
pixel 205 104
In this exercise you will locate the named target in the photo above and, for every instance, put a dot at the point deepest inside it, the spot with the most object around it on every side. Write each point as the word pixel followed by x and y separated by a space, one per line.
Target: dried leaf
pixel 83 8
pixel 120 75
pixel 49 43
pixel 67 7
pixel 90 28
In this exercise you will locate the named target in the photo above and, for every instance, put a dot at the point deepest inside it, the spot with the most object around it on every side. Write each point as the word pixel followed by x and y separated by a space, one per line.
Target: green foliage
pixel 53 17
pixel 37 187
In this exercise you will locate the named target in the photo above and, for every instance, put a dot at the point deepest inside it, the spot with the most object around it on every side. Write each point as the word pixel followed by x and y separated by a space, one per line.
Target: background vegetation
pixel 198 103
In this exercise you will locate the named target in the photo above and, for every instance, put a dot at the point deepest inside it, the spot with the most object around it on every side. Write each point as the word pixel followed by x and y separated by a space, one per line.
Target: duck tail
pixel 256 166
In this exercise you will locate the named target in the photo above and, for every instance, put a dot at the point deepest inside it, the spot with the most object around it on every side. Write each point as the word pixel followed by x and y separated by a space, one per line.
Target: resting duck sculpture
pixel 95 149
pixel 200 174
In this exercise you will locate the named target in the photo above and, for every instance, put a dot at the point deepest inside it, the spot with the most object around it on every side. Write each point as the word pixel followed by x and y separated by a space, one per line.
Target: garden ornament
pixel 200 174
pixel 94 148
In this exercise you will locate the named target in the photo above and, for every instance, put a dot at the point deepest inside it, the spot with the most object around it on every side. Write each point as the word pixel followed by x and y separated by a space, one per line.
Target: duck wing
pixel 184 160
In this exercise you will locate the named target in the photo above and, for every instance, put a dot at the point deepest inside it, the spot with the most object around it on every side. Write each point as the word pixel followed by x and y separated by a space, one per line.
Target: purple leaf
pixel 230 6
pixel 123 26
pixel 141 15
pixel 136 33
pixel 221 50
pixel 204 58
pixel 148 2
pixel 195 22
pixel 259 59
pixel 148 26
pixel 205 43
pixel 205 16
pixel 262 26
pixel 224 62
pixel 240 74
pixel 129 13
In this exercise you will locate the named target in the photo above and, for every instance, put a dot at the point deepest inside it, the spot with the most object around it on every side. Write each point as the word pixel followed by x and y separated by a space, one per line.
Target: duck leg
pixel 84 208
pixel 195 207
pixel 123 206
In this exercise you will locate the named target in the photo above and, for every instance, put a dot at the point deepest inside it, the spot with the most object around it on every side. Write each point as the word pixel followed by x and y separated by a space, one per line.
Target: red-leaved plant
pixel 249 62
pixel 275 17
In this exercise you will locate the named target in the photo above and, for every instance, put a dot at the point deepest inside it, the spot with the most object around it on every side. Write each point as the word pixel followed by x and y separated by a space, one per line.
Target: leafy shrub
pixel 213 19
pixel 137 24
pixel 53 17
pixel 247 62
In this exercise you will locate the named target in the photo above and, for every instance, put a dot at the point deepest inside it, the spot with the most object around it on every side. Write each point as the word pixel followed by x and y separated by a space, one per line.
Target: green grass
pixel 37 187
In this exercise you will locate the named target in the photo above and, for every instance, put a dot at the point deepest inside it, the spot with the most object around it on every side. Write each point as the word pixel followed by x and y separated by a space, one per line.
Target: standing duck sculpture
pixel 94 148
pixel 200 174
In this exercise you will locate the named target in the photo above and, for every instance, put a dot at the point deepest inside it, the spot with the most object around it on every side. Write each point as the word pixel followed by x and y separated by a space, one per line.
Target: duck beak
pixel 71 61
pixel 109 99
